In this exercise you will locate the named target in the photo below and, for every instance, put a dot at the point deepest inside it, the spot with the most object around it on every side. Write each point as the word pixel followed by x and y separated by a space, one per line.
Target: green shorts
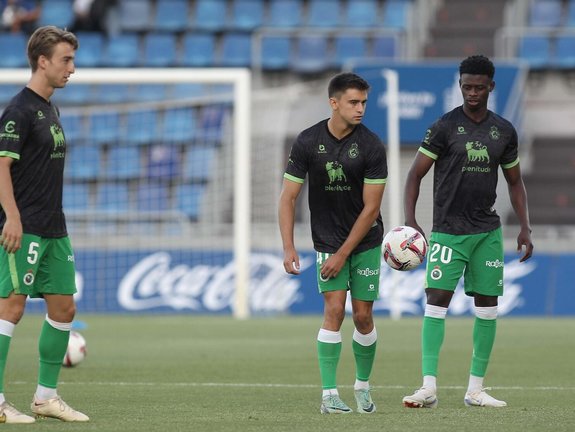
pixel 41 266
pixel 359 275
pixel 478 257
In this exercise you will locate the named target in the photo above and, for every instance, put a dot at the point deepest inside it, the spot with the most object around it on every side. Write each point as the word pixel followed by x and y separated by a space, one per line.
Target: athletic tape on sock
pixel 365 339
pixel 486 313
pixel 433 311
pixel 328 336
pixel 58 325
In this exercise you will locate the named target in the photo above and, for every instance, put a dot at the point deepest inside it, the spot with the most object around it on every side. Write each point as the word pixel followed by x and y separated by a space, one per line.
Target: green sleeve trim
pixel 292 178
pixel 375 181
pixel 10 155
pixel 428 153
pixel 510 165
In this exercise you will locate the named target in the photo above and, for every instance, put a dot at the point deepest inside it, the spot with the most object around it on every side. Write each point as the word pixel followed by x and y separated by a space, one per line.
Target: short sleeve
pixel 14 127
pixel 298 163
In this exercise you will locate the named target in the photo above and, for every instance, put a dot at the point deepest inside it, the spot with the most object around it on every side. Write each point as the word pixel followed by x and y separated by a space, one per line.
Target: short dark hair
pixel 340 83
pixel 477 65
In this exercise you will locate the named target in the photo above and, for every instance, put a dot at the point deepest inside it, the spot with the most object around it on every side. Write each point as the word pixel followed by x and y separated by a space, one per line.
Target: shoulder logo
pixel 353 151
pixel 427 136
pixel 494 133
pixel 9 128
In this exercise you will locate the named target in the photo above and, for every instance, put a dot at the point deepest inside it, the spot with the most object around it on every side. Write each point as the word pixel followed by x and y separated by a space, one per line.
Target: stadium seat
pixel 545 13
pixel 123 163
pixel 324 13
pixel 570 16
pixel 74 130
pixel 77 94
pixel 123 50
pixel 171 15
pixel 186 90
pixel 285 13
pixel 396 14
pixel 348 48
pixel 210 15
pixel 91 49
pixel 536 51
pixel 112 93
pixel 152 197
pixel 188 198
pixel 384 47
pixel 236 50
pixel 275 53
pixel 150 92
pixel 160 50
pixel 13 50
pixel 310 55
pixel 565 52
pixel 76 197
pixel 8 91
pixel 104 128
pixel 83 162
pixel 198 50
pixel 58 13
pixel 113 197
pixel 162 162
pixel 247 15
pixel 199 163
pixel 361 13
pixel 141 127
pixel 135 15
pixel 178 125
pixel 211 125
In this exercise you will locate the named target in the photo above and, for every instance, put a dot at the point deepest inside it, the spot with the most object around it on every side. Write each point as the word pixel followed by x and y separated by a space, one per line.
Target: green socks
pixel 432 335
pixel 4 347
pixel 364 352
pixel 483 340
pixel 52 347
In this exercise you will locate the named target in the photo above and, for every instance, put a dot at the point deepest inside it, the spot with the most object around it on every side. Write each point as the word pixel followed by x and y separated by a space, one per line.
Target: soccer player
pixel 347 169
pixel 467 145
pixel 36 258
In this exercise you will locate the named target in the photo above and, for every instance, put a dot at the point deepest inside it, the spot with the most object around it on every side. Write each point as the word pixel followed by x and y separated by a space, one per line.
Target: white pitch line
pixel 279 385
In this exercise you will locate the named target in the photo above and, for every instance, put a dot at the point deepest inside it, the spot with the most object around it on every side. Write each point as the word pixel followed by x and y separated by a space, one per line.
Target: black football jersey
pixel 337 170
pixel 32 135
pixel 467 158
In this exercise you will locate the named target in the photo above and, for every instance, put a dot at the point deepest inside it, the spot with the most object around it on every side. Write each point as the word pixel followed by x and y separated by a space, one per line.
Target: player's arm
pixel 518 197
pixel 419 168
pixel 11 238
pixel 372 197
pixel 286 215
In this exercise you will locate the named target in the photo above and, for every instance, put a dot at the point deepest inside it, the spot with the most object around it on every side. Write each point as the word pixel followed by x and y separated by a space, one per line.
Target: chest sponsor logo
pixel 336 175
pixel 476 154
pixel 59 142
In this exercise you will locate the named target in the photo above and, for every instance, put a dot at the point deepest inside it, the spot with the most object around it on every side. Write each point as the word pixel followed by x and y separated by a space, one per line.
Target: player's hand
pixel 291 262
pixel 416 226
pixel 524 239
pixel 11 238
pixel 332 266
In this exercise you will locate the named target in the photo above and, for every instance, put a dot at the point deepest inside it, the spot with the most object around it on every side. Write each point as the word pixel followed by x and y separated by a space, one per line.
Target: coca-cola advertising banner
pixel 203 283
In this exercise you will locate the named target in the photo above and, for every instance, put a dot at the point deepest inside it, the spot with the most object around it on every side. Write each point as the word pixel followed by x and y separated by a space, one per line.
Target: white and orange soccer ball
pixel 404 248
pixel 76 352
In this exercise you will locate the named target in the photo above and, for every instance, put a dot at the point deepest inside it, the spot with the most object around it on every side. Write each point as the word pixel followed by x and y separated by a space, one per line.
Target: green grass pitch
pixel 207 373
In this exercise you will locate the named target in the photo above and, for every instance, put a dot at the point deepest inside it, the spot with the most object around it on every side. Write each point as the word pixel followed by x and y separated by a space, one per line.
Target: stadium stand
pixel 135 15
pixel 13 49
pixel 92 44
pixel 210 15
pixel 247 15
pixel 171 15
pixel 57 12
pixel 324 14
pixel 361 13
pixel 285 13
pixel 198 50
pixel 160 50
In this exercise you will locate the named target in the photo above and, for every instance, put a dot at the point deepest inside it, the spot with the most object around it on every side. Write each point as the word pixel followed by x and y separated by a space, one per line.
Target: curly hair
pixel 477 65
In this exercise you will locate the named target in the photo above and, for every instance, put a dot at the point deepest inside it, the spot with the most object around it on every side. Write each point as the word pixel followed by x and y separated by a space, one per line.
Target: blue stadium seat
pixel 123 163
pixel 311 54
pixel 104 128
pixel 150 92
pixel 160 50
pixel 275 53
pixel 211 124
pixel 135 15
pixel 570 18
pixel 236 50
pixel 76 197
pixel 324 13
pixel 179 125
pixel 247 14
pixel 91 49
pixel 210 15
pixel 545 13
pixel 188 199
pixel 74 130
pixel 141 127
pixel 171 15
pixel 565 52
pixel 77 94
pixel 384 47
pixel 8 91
pixel 198 50
pixel 186 90
pixel 113 197
pixel 122 50
pixel 83 162
pixel 361 13
pixel 536 51
pixel 163 162
pixel 153 197
pixel 112 93
pixel 58 13
pixel 348 48
pixel 13 50
pixel 199 163
pixel 285 13
pixel 396 14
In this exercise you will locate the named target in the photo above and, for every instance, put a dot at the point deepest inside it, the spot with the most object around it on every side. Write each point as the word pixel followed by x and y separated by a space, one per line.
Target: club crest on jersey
pixel 353 151
pixel 494 133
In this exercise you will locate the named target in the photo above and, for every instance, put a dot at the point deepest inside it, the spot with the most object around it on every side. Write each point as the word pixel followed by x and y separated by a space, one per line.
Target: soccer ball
pixel 76 351
pixel 404 248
